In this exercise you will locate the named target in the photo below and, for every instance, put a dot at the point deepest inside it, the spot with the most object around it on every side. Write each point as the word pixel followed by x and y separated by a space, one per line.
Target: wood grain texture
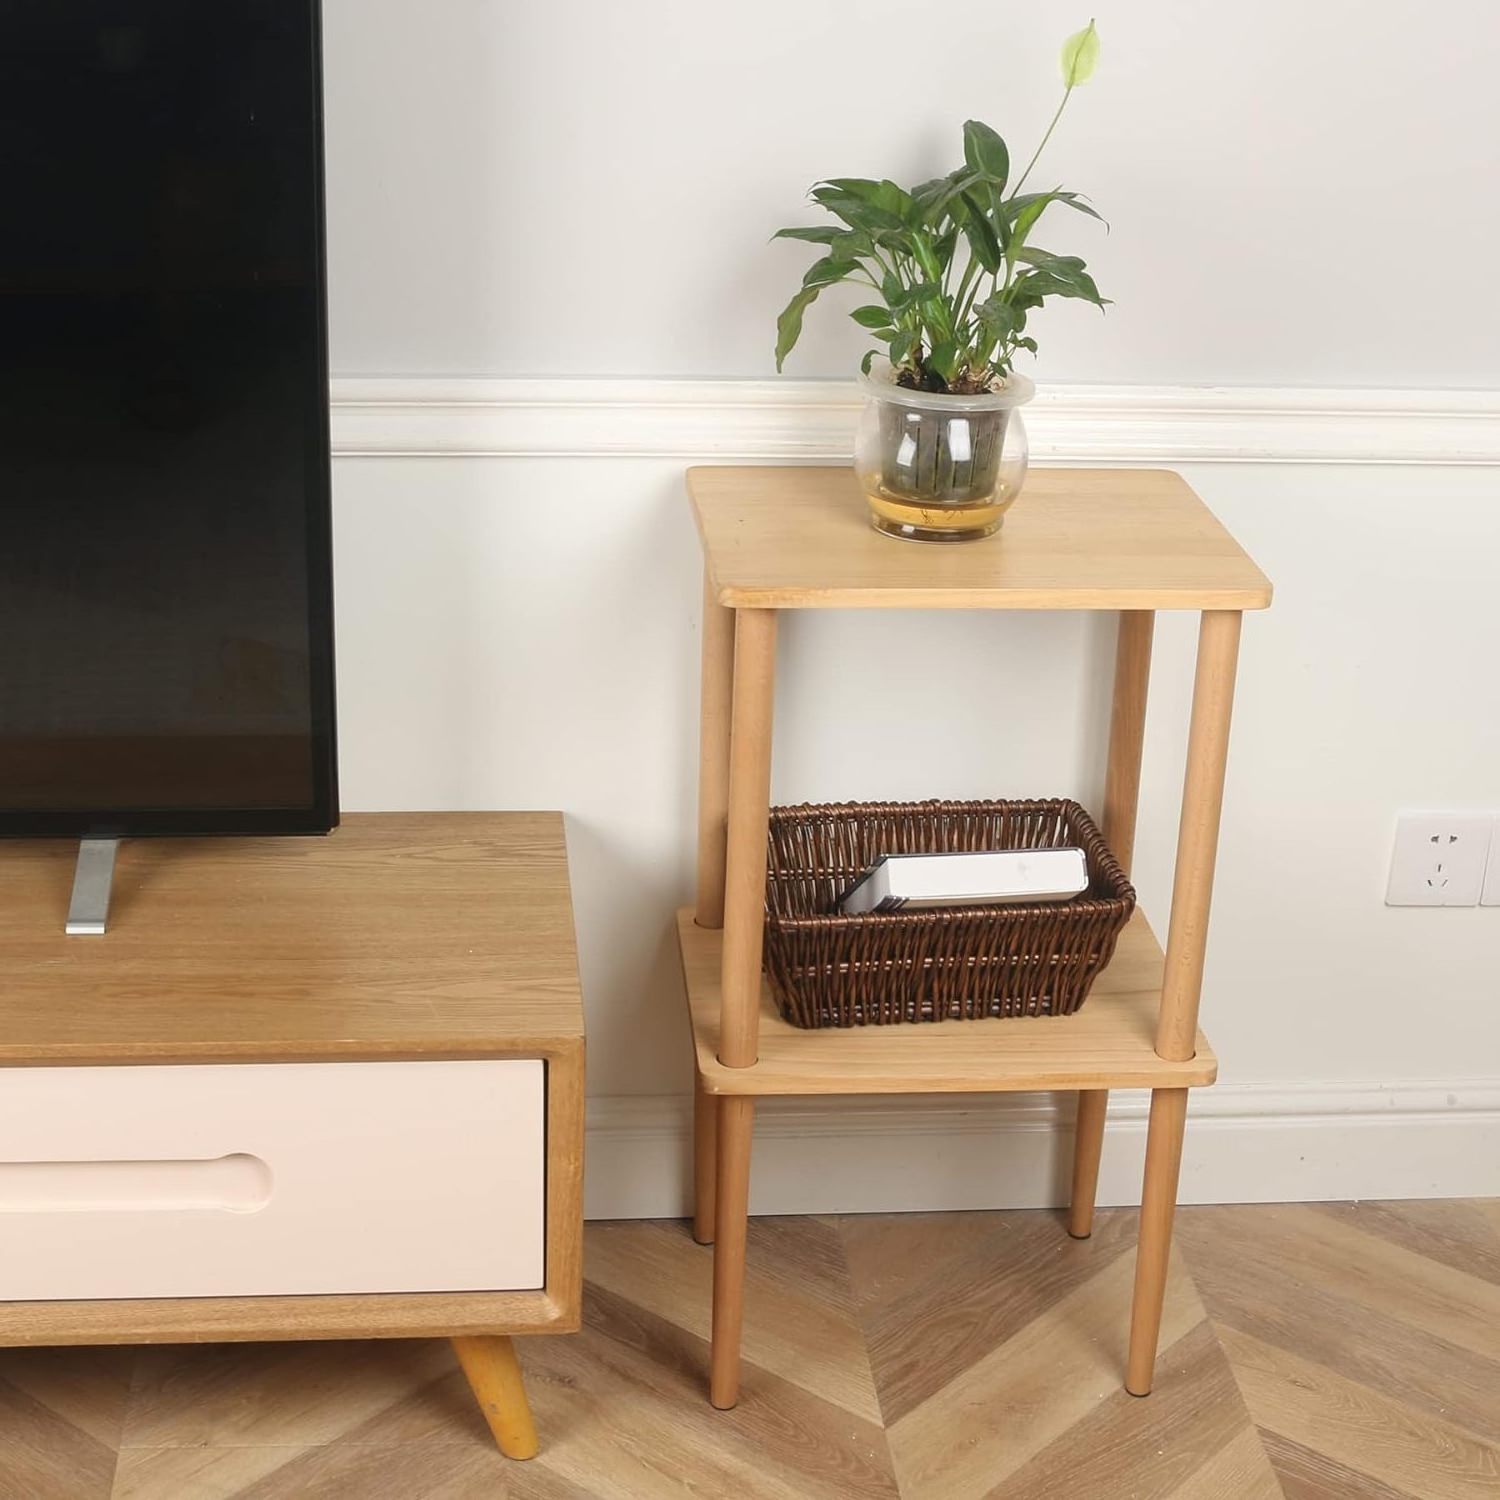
pixel 784 537
pixel 494 1374
pixel 1158 1207
pixel 736 1130
pixel 1127 733
pixel 715 712
pixel 931 1357
pixel 566 1106
pixel 705 1161
pixel 1088 1149
pixel 1198 832
pixel 416 936
pixel 398 935
pixel 1109 1043
pixel 749 812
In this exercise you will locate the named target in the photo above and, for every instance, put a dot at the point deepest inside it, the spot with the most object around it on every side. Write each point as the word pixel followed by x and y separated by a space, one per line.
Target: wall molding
pixel 1247 1143
pixel 813 420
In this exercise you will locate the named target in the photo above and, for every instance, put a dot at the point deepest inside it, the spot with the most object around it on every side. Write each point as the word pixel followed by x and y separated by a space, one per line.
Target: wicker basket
pixel 952 963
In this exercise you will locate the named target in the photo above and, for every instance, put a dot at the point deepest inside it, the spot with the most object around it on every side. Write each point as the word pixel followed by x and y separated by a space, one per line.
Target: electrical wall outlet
pixel 1491 893
pixel 1439 859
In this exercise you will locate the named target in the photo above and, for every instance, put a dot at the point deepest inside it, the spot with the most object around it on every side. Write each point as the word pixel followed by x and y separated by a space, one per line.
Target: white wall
pixel 1298 198
pixel 1298 192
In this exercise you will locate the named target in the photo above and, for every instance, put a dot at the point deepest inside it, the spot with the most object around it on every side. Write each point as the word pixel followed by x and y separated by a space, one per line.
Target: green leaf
pixel 1013 206
pixel 903 346
pixel 1023 223
pixel 980 234
pixel 1080 56
pixel 855 211
pixel 867 361
pixel 885 197
pixel 1045 259
pixel 925 192
pixel 872 316
pixel 852 244
pixel 944 359
pixel 985 153
pixel 789 324
pixel 1035 285
pixel 1000 318
pixel 926 254
pixel 827 271
pixel 822 234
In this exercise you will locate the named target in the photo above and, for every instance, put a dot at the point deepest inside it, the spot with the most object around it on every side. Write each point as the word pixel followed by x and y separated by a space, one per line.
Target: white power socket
pixel 1440 859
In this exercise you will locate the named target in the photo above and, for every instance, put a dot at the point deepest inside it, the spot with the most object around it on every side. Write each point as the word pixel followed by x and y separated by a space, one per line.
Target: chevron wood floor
pixel 1315 1352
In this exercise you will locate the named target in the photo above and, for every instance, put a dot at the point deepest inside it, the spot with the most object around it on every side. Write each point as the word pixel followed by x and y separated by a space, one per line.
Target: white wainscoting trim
pixel 813 420
pixel 1246 1143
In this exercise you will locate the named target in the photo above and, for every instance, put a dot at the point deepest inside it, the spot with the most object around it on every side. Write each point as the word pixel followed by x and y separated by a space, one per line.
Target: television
pixel 166 598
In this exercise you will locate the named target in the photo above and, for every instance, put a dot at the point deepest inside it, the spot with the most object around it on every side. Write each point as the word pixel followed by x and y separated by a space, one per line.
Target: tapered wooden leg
pixel 747 820
pixel 736 1126
pixel 705 1162
pixel 1198 833
pixel 1122 794
pixel 1158 1205
pixel 1088 1146
pixel 716 711
pixel 494 1375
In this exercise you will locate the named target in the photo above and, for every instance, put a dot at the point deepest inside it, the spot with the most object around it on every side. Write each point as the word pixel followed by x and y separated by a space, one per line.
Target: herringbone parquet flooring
pixel 1311 1352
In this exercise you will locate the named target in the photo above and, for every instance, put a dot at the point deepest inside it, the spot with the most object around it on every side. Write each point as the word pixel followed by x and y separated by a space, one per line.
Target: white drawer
pixel 271 1178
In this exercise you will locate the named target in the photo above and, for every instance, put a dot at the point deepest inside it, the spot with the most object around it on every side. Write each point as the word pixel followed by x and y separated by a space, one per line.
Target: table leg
pixel 713 755
pixel 1088 1147
pixel 705 1161
pixel 748 817
pixel 494 1375
pixel 1122 792
pixel 736 1128
pixel 1187 939
pixel 1158 1205
pixel 1198 833
pixel 740 977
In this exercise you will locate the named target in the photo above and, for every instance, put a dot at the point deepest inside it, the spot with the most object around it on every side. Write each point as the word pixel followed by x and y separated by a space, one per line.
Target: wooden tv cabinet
pixel 305 1088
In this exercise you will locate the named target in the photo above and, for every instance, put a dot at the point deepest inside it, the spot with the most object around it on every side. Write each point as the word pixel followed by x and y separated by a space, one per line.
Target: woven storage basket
pixel 951 963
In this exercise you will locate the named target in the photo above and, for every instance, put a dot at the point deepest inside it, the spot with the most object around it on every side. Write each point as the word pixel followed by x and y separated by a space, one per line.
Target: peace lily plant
pixel 941 450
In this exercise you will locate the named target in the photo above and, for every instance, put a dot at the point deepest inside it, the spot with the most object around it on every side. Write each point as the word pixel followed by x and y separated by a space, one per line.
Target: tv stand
pixel 93 879
pixel 368 1049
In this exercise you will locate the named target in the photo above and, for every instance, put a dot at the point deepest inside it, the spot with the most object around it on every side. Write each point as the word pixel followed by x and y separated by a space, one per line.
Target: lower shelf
pixel 1110 1043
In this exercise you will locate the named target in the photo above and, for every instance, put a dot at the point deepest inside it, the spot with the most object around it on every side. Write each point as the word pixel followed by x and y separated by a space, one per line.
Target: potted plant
pixel 941 450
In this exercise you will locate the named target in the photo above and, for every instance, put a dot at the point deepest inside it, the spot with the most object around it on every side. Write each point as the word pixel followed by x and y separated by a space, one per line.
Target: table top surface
pixel 398 935
pixel 792 537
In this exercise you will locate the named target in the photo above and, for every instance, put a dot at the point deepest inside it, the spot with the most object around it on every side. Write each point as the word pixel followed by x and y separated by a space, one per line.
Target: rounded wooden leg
pixel 1158 1204
pixel 1088 1146
pixel 494 1375
pixel 736 1126
pixel 705 1163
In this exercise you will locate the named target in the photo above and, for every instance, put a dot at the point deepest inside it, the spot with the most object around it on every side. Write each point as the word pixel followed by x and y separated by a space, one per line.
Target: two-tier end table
pixel 304 1088
pixel 1133 542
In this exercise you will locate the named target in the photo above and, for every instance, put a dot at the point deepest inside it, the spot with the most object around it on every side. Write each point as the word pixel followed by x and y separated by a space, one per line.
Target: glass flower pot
pixel 939 468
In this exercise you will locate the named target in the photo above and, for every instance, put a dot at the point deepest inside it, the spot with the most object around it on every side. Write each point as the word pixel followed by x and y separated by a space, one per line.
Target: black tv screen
pixel 166 658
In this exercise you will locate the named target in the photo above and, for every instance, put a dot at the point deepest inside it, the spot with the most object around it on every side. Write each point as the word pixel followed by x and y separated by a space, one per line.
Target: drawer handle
pixel 239 1184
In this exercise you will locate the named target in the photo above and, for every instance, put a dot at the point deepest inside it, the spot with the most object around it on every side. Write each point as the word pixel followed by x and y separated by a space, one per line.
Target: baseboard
pixel 1246 1143
pixel 813 420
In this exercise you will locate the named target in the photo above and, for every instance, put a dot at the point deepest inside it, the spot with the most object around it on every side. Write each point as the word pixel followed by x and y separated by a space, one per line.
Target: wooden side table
pixel 777 538
pixel 304 1089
